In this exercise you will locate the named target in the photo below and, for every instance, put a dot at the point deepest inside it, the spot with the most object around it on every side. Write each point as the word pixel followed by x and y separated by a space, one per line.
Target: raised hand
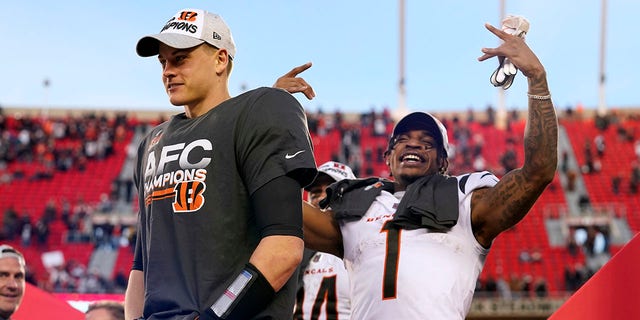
pixel 516 50
pixel 294 84
pixel 505 73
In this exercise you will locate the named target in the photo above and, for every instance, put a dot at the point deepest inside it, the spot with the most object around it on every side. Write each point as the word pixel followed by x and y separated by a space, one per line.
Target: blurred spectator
pixel 536 255
pixel 491 116
pixel 105 205
pixel 105 310
pixel 564 162
pixel 65 212
pixel 588 166
pixel 120 281
pixel 634 181
pixel 572 244
pixel 601 122
pixel 623 134
pixel 26 229
pixel 572 175
pixel 596 248
pixel 580 235
pixel 527 285
pixel 575 276
pixel 50 211
pixel 515 285
pixel 616 181
pixel 490 286
pixel 379 126
pixel 540 288
pixel 584 202
pixel 509 160
pixel 42 232
pixel 10 223
pixel 59 279
pixel 479 163
pixel 91 282
pixel 599 142
pixel 596 242
pixel 503 287
pixel 533 256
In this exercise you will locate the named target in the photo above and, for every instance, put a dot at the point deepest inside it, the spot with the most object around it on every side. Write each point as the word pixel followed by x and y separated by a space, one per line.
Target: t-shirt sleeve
pixel 137 256
pixel 273 140
pixel 470 182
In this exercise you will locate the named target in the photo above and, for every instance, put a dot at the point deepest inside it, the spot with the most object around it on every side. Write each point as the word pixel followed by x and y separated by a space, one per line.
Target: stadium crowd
pixel 36 148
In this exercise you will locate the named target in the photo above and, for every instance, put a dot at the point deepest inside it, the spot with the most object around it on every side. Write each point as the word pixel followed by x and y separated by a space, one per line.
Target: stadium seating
pixel 29 196
pixel 504 259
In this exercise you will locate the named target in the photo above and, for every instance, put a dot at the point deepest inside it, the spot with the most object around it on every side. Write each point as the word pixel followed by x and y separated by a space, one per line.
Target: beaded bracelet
pixel 537 97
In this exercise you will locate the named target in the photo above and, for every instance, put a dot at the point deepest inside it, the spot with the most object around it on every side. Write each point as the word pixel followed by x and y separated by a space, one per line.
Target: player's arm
pixel 275 259
pixel 499 208
pixel 294 84
pixel 321 231
pixel 134 296
pixel 279 216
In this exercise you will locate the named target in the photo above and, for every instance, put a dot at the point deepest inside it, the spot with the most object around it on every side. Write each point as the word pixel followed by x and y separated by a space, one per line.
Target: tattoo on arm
pixel 501 207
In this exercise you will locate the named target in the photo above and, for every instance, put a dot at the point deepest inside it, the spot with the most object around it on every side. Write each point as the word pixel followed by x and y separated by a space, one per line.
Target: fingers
pixel 516 50
pixel 295 85
pixel 498 32
pixel 508 43
pixel 297 70
pixel 309 93
pixel 305 88
pixel 488 53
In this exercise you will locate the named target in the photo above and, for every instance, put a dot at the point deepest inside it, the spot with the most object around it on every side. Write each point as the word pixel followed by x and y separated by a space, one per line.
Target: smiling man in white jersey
pixel 415 246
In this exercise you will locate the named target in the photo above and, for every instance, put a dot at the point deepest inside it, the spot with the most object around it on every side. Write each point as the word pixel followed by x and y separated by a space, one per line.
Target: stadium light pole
pixel 46 83
pixel 401 110
pixel 501 112
pixel 602 105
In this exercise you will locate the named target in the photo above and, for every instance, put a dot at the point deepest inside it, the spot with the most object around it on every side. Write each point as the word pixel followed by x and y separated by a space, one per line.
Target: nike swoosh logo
pixel 289 156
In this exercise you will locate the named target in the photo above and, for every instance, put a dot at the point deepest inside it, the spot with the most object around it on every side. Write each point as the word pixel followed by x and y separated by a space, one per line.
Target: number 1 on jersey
pixel 392 255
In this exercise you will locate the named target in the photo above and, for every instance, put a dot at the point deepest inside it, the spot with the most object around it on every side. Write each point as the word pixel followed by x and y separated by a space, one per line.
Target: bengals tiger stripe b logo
pixel 188 196
pixel 188 16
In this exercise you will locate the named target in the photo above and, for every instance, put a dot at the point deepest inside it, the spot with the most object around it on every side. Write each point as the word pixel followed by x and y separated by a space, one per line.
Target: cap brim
pixel 150 45
pixel 321 177
pixel 416 121
pixel 422 121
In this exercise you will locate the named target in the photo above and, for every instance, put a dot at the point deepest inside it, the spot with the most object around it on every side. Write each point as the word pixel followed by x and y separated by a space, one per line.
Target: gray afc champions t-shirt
pixel 196 229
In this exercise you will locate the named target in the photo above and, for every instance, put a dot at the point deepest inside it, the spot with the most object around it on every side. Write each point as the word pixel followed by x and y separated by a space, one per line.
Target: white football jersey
pixel 413 274
pixel 326 289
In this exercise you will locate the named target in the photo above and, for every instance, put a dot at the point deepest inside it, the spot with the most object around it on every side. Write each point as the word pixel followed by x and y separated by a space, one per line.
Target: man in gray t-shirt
pixel 220 222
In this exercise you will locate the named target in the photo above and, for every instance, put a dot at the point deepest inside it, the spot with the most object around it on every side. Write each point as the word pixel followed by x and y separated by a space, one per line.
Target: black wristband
pixel 247 295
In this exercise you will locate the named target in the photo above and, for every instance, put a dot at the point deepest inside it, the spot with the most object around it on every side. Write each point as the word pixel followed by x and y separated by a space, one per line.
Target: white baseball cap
pixel 7 251
pixel 336 170
pixel 189 28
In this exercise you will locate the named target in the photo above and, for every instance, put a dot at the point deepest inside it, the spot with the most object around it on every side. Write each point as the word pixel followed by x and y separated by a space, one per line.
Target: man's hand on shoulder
pixel 294 84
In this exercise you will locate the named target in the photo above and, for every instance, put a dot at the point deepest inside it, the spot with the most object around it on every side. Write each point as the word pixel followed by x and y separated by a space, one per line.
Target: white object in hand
pixel 505 73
